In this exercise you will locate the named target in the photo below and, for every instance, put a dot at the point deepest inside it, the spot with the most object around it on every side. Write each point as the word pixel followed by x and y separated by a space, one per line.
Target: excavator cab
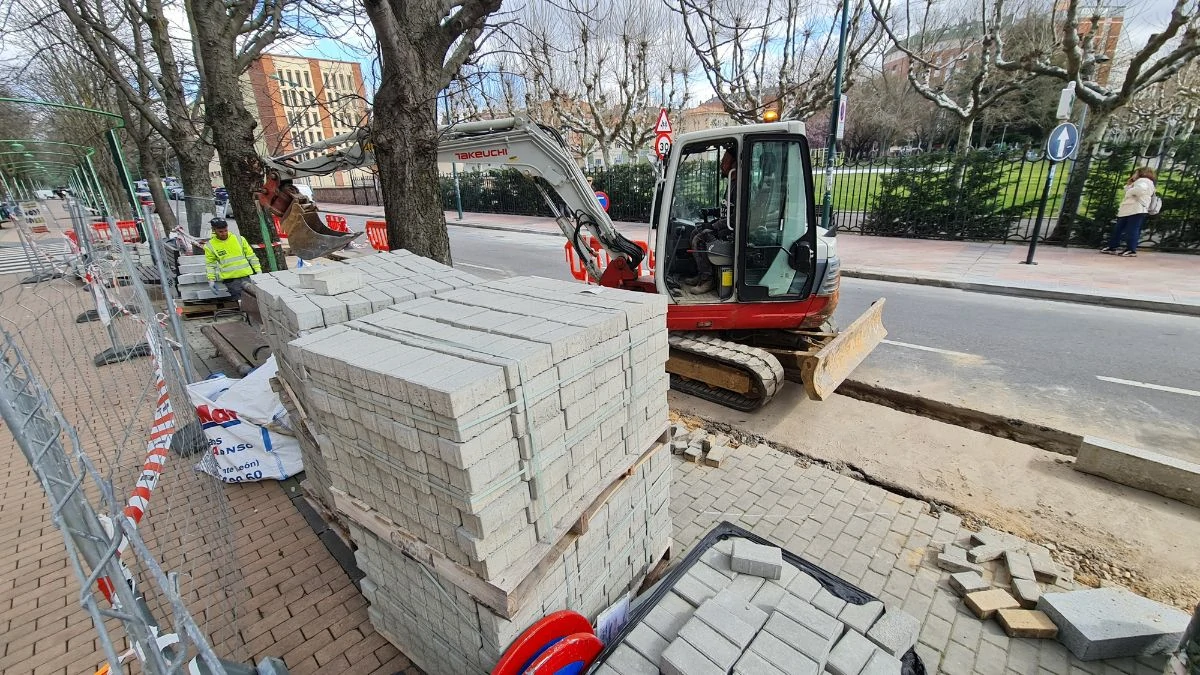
pixel 738 208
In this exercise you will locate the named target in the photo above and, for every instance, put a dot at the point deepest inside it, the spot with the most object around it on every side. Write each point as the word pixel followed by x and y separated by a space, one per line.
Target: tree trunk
pixel 406 145
pixel 232 126
pixel 197 186
pixel 964 136
pixel 1077 181
pixel 153 178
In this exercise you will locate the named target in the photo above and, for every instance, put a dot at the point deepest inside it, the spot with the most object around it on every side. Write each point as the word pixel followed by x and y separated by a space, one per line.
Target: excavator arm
pixel 514 142
pixel 539 152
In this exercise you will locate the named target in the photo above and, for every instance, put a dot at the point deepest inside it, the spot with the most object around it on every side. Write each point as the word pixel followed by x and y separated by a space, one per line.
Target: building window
pixel 307 82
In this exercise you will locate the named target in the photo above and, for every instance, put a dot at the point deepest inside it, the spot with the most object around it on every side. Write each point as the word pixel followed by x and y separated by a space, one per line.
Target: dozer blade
pixel 308 237
pixel 824 371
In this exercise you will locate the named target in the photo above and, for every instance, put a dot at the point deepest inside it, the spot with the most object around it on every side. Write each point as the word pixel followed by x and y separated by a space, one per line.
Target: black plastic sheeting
pixel 841 588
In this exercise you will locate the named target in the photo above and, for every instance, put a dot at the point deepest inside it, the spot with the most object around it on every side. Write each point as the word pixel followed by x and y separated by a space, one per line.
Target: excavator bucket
pixel 823 371
pixel 307 236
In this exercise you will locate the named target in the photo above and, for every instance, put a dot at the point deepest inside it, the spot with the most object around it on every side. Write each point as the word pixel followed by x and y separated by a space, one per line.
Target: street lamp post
pixel 834 118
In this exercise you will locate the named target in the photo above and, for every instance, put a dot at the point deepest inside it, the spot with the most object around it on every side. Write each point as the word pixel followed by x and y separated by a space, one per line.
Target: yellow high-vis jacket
pixel 230 259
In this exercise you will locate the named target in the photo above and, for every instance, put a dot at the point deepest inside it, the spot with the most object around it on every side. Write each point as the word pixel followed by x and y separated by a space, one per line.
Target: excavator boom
pixel 513 142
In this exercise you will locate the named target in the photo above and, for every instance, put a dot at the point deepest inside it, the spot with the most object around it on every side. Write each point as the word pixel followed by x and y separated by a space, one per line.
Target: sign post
pixel 1059 146
pixel 662 136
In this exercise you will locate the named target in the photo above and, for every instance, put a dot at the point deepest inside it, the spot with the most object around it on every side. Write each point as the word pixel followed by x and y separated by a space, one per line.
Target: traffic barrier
pixel 279 228
pixel 127 228
pixel 579 271
pixel 377 234
pixel 336 223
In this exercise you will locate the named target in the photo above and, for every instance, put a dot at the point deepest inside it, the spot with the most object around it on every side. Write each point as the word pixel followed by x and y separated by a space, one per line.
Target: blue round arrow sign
pixel 1062 142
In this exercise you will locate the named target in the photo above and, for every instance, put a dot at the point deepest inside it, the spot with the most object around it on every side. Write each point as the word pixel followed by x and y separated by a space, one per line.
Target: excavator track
pixel 731 374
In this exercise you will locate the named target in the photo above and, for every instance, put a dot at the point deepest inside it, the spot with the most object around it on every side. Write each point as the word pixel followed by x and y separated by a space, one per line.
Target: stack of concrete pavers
pixel 779 620
pixel 481 424
pixel 193 280
pixel 294 303
pixel 479 420
pixel 447 631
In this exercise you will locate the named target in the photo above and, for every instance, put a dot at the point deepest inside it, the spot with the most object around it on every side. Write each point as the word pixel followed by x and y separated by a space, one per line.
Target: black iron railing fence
pixel 984 196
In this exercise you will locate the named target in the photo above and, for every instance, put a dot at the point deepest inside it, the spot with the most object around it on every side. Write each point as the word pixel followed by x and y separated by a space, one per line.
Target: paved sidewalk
pixel 1167 282
pixel 875 539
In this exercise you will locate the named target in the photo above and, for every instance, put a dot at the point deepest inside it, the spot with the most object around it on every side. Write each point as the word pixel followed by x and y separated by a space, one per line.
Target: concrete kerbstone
pixel 1107 623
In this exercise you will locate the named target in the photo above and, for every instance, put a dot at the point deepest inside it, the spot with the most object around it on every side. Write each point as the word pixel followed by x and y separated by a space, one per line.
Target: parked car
pixel 175 192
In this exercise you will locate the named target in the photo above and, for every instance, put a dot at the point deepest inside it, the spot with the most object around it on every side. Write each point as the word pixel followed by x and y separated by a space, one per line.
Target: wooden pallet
pixel 509 593
pixel 198 309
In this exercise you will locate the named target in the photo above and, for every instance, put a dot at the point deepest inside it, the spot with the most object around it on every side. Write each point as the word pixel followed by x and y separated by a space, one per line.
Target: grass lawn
pixel 855 188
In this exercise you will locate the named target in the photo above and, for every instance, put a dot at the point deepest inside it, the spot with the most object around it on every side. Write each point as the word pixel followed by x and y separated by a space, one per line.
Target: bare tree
pixel 604 69
pixel 1080 57
pixel 131 42
pixel 885 111
pixel 422 46
pixel 955 60
pixel 227 36
pixel 773 54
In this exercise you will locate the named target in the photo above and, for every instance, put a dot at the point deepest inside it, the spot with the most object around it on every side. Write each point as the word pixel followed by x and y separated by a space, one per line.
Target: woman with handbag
pixel 1136 204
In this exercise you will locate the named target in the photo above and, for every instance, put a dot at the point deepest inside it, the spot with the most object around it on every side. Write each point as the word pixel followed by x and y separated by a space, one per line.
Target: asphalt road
pixel 1126 375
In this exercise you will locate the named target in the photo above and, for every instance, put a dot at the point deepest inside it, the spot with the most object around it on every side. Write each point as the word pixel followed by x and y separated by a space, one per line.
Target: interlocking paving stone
pixel 895 632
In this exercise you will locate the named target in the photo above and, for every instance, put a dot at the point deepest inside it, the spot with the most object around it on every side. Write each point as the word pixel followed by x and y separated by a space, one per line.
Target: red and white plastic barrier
pixel 579 271
pixel 377 234
pixel 336 223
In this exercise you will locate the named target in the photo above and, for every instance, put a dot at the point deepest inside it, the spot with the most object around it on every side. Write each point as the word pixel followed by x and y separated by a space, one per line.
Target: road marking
pixel 1147 385
pixel 481 267
pixel 935 350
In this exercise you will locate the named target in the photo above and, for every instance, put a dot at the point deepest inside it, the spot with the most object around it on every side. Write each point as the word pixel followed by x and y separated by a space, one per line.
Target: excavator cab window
pixel 699 219
pixel 779 239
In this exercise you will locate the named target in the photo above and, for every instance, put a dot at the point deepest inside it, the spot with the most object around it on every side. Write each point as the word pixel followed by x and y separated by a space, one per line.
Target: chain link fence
pixel 93 375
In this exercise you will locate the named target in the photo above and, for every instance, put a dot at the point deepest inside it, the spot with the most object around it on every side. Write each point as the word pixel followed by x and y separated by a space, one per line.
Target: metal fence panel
pixel 92 390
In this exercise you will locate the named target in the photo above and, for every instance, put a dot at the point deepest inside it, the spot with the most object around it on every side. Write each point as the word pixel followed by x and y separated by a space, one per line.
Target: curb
pixel 1027 433
pixel 502 228
pixel 1036 293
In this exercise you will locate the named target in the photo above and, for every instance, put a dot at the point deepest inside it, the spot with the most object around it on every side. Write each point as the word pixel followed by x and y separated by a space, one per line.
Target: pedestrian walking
pixel 1131 215
pixel 229 259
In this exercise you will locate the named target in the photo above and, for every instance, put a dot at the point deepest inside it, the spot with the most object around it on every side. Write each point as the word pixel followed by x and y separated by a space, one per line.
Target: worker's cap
pixel 219 224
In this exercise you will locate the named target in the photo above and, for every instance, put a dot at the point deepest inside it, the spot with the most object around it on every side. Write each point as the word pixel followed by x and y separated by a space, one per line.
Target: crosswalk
pixel 15 260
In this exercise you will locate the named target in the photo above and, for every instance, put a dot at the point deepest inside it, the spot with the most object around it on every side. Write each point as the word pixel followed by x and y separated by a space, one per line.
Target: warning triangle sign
pixel 664 125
